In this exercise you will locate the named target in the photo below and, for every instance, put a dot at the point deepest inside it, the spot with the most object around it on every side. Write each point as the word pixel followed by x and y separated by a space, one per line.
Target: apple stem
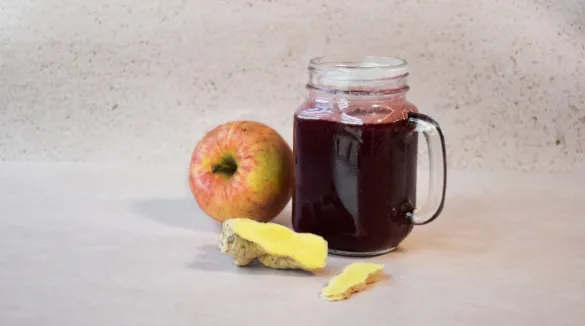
pixel 228 166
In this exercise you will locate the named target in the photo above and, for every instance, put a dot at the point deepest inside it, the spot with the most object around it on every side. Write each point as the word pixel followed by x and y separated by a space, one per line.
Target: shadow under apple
pixel 176 212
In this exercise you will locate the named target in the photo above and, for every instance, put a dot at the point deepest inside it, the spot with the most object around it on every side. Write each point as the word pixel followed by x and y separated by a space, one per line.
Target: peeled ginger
pixel 354 278
pixel 273 245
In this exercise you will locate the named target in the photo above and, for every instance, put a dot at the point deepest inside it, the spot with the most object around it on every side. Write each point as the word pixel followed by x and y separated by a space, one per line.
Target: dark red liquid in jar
pixel 355 177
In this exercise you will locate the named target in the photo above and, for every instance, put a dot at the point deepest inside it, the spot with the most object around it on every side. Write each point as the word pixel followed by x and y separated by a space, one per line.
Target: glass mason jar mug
pixel 355 147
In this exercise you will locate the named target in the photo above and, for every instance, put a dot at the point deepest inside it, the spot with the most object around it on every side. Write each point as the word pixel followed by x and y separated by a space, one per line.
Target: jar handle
pixel 433 205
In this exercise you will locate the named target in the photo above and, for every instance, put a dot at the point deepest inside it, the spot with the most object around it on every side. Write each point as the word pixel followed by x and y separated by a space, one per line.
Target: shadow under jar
pixel 355 147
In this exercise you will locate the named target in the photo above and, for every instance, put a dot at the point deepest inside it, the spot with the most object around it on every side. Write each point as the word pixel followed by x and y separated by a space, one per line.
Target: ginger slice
pixel 352 279
pixel 274 245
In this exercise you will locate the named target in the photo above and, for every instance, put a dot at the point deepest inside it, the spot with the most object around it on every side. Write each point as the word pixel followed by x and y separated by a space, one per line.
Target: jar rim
pixel 372 65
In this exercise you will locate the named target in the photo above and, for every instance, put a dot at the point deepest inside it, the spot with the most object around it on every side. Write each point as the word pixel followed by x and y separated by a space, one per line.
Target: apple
pixel 242 169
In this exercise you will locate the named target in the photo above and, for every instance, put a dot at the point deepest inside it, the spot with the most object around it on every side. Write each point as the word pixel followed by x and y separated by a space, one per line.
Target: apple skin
pixel 242 169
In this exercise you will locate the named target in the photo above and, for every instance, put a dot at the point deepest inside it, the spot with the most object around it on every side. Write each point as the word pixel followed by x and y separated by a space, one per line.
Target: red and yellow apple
pixel 242 169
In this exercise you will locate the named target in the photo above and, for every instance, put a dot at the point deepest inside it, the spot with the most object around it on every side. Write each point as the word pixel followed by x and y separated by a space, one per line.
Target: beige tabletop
pixel 127 245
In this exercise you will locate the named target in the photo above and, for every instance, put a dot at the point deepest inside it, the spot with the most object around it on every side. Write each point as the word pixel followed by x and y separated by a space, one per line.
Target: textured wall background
pixel 129 80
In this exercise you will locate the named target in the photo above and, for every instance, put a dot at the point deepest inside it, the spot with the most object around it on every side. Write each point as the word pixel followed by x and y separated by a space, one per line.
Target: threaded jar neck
pixel 360 75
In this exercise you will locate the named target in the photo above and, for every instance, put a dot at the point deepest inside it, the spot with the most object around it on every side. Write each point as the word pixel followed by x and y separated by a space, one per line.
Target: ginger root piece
pixel 352 279
pixel 274 245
